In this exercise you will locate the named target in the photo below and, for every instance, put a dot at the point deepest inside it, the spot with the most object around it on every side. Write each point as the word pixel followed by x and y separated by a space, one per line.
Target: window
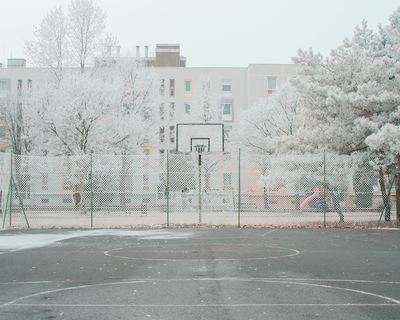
pixel 271 85
pixel 66 184
pixel 162 87
pixel 162 136
pixel 45 181
pixel 188 88
pixel 3 89
pixel 172 134
pixel 29 84
pixel 187 108
pixel 146 158
pixel 171 110
pixel 162 157
pixel 227 159
pixel 227 133
pixel 227 108
pixel 162 116
pixel 226 88
pixel 19 86
pixel 172 87
pixel 227 112
pixel 146 179
pixel 188 85
pixel 227 179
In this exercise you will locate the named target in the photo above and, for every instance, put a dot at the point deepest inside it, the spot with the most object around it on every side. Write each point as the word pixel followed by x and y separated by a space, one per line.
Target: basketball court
pixel 204 273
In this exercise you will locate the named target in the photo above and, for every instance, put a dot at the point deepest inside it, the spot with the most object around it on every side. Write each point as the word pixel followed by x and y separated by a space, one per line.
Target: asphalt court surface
pixel 204 273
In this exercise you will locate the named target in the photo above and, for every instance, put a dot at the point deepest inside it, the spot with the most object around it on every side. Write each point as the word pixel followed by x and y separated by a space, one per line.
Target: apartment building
pixel 183 89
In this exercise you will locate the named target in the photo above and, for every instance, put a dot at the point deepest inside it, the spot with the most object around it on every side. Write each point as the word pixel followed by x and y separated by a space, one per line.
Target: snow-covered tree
pixel 87 23
pixel 348 96
pixel 270 118
pixel 15 127
pixel 136 124
pixel 50 46
pixel 72 117
pixel 109 112
pixel 302 175
pixel 72 39
pixel 206 105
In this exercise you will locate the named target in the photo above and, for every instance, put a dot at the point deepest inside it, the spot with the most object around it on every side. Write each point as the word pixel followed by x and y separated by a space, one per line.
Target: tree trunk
pixel 336 204
pixel 266 206
pixel 122 183
pixel 385 197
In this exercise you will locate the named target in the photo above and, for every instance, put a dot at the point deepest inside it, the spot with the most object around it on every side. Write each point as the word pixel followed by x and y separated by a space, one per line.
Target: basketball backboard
pixel 200 137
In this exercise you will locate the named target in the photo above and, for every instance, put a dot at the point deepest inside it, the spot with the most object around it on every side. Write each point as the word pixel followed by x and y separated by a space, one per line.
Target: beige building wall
pixel 247 86
pixel 260 78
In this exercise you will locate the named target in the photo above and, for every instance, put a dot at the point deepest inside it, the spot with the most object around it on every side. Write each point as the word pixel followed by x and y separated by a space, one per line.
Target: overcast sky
pixel 212 33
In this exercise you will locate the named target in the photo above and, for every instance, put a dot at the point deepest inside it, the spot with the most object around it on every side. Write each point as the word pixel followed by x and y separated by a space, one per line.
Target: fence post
pixel 397 198
pixel 167 188
pixel 200 198
pixel 11 177
pixel 239 191
pixel 91 188
pixel 324 202
pixel 397 171
pixel 6 206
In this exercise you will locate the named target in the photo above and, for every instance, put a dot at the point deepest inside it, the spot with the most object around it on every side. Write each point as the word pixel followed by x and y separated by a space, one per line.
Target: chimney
pixel 137 51
pixel 146 51
pixel 118 51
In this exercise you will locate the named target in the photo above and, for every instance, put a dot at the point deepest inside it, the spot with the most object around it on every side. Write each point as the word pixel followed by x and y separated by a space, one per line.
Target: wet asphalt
pixel 204 273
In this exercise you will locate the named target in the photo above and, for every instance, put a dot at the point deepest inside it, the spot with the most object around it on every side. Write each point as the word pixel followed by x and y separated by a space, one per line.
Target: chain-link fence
pixel 169 189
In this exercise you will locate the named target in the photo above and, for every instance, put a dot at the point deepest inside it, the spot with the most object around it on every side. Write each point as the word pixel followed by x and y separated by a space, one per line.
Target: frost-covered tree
pixel 16 128
pixel 303 175
pixel 72 39
pixel 136 124
pixel 50 46
pixel 108 112
pixel 206 105
pixel 349 95
pixel 72 117
pixel 86 26
pixel 354 84
pixel 270 118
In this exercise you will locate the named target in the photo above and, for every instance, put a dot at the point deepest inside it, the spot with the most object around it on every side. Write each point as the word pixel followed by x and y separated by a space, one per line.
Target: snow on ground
pixel 22 241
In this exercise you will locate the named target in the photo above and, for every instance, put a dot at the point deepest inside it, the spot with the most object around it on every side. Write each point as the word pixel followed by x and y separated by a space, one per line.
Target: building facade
pixel 184 90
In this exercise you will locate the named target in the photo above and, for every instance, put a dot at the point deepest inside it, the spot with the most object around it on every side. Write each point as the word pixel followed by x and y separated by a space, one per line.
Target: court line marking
pixel 295 253
pixel 268 232
pixel 226 279
pixel 209 305
pixel 67 289
pixel 344 289
pixel 394 301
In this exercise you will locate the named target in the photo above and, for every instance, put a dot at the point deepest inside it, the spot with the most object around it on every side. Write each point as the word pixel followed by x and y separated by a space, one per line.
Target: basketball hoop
pixel 200 137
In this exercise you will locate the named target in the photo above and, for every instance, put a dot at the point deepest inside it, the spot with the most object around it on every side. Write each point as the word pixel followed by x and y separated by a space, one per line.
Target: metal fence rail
pixel 157 189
